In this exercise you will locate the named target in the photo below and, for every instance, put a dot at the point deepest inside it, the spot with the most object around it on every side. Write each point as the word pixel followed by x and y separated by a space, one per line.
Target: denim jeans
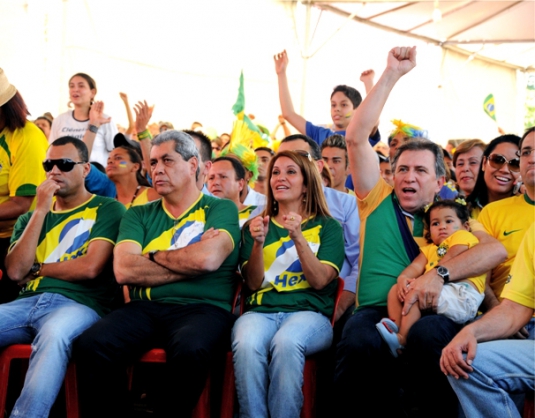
pixel 50 322
pixel 269 358
pixel 501 368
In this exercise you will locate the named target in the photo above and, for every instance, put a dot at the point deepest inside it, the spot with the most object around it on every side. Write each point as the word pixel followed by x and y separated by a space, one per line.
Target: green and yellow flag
pixel 489 108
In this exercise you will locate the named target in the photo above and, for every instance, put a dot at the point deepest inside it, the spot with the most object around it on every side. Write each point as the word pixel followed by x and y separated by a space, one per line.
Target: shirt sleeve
pixel 29 150
pixel 223 215
pixel 98 183
pixel 332 243
pixel 351 236
pixel 109 217
pixel 317 133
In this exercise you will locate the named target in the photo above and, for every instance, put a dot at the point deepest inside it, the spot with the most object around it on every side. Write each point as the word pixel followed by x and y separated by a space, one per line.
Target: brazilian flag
pixel 489 108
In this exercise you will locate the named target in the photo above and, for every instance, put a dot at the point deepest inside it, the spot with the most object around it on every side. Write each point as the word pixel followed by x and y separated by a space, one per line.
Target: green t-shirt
pixel 65 236
pixel 152 227
pixel 285 288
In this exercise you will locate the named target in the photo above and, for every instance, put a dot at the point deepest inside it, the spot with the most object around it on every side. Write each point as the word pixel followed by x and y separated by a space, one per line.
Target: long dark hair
pixel 136 159
pixel 15 112
pixel 480 194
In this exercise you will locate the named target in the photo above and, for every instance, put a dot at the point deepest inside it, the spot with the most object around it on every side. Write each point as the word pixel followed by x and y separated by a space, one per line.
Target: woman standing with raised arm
pixel 290 258
pixel 87 121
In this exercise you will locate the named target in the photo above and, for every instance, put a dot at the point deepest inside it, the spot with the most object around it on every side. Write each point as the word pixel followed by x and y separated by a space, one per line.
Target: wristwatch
pixel 93 128
pixel 444 273
pixel 151 256
pixel 36 269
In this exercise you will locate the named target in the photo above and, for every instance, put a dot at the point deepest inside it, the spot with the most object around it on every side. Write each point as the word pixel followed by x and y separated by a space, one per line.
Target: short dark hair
pixel 421 144
pixel 136 158
pixel 205 151
pixel 350 92
pixel 80 146
pixel 315 150
pixel 480 195
pixel 236 165
pixel 528 131
pixel 336 141
pixel 14 112
pixel 461 211
pixel 271 152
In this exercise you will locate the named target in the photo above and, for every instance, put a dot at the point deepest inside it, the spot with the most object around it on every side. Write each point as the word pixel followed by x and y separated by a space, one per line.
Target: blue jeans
pixel 269 358
pixel 50 322
pixel 501 368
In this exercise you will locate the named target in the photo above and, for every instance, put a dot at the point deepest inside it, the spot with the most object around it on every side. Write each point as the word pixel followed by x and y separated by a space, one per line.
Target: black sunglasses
pixel 497 161
pixel 63 164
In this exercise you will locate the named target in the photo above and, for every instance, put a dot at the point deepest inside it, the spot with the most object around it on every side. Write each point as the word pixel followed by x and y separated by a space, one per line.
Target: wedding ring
pixel 292 218
pixel 256 229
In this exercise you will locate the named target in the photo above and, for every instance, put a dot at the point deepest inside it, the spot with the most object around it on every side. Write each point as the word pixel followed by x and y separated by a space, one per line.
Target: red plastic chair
pixel 23 351
pixel 158 355
pixel 309 375
pixel 529 407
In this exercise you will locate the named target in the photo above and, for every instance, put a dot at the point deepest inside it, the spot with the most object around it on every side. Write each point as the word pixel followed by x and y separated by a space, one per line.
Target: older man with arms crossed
pixel 178 256
pixel 391 231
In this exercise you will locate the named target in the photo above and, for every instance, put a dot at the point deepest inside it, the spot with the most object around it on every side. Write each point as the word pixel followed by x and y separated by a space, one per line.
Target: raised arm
pixel 362 157
pixel 96 118
pixel 22 256
pixel 253 270
pixel 131 127
pixel 143 115
pixel 287 107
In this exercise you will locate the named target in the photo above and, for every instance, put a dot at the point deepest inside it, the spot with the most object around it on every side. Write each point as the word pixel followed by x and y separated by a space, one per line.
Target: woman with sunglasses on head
pixel 87 121
pixel 290 258
pixel 21 154
pixel 498 173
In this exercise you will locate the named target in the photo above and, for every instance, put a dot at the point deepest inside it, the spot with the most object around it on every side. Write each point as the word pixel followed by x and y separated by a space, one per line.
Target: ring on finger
pixel 292 218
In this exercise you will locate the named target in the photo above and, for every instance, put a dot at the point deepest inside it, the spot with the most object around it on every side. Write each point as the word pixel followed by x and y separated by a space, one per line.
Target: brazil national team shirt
pixel 65 236
pixel 21 154
pixel 285 288
pixel 152 227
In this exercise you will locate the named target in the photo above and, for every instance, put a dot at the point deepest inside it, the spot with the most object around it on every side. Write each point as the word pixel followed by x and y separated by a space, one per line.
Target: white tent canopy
pixel 186 58
pixel 500 31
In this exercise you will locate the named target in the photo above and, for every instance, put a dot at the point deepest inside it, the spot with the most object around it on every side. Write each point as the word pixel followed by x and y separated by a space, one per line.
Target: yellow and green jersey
pixel 507 220
pixel 21 155
pixel 521 286
pixel 66 235
pixel 285 288
pixel 152 227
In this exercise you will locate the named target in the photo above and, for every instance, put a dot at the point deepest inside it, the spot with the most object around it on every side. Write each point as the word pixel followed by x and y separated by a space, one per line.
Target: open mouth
pixel 408 190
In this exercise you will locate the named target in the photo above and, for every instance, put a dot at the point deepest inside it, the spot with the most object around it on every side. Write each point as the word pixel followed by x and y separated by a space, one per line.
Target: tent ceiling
pixel 501 31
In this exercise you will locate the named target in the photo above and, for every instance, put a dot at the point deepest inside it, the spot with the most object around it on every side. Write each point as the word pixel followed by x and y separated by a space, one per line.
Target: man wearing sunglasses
pixel 60 255
pixel 508 219
pixel 391 233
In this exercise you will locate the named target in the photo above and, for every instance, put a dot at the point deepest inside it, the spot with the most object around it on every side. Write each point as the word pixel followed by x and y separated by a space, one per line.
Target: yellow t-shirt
pixel 507 220
pixel 520 288
pixel 21 155
pixel 434 253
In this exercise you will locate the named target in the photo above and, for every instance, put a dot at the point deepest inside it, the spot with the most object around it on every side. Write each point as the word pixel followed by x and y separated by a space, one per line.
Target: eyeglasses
pixel 305 154
pixel 63 164
pixel 497 161
pixel 525 152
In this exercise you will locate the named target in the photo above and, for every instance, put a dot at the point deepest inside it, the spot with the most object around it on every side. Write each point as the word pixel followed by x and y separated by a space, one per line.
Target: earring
pixel 69 104
pixel 304 198
pixel 275 206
